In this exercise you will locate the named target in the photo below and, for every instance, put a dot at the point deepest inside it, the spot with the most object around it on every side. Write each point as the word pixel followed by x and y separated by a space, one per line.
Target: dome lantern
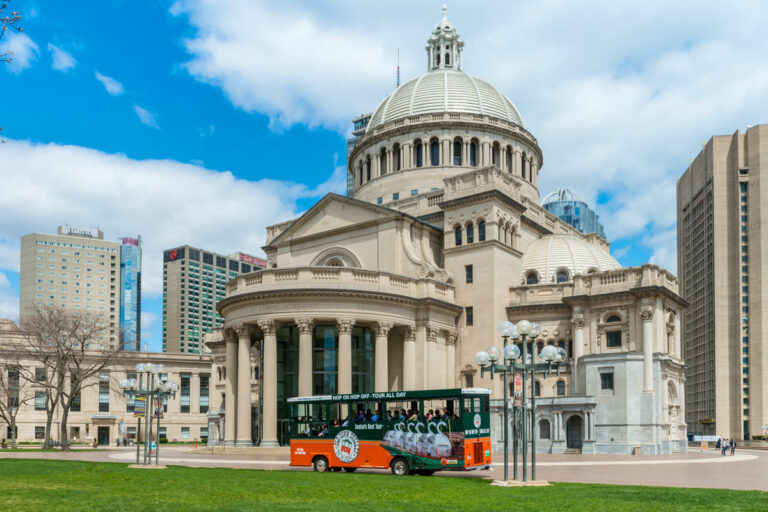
pixel 444 46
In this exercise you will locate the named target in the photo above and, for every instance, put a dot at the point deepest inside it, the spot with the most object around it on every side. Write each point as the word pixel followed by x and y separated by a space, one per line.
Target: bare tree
pixel 67 343
pixel 8 21
pixel 15 392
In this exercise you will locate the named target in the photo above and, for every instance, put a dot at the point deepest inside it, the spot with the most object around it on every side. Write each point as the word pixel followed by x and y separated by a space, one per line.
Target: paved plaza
pixel 744 470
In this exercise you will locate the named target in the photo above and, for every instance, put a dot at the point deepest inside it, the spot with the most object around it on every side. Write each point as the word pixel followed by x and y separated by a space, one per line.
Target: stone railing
pixel 539 294
pixel 625 279
pixel 339 278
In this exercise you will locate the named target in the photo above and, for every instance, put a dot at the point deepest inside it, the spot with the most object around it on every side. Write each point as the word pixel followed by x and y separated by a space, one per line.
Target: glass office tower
pixel 573 210
pixel 130 293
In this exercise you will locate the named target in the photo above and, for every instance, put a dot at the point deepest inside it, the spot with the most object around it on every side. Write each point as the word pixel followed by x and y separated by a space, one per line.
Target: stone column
pixel 244 332
pixel 230 389
pixel 486 159
pixel 409 359
pixel 578 349
pixel 345 355
pixel 465 155
pixel 647 318
pixel 446 160
pixel 420 376
pixel 376 165
pixel 503 158
pixel 517 161
pixel 305 355
pixel 390 164
pixel 678 345
pixel 269 381
pixel 382 357
pixel 450 356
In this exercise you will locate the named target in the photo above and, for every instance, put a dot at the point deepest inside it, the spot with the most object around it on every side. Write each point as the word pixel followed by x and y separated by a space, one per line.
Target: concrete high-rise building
pixel 575 211
pixel 722 247
pixel 359 124
pixel 75 268
pixel 130 293
pixel 194 281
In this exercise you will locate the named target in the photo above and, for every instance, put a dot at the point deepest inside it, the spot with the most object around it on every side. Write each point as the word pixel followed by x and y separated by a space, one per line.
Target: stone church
pixel 443 236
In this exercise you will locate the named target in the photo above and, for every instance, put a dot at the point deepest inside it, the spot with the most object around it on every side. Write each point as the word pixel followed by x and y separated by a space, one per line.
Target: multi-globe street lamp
pixel 553 357
pixel 152 384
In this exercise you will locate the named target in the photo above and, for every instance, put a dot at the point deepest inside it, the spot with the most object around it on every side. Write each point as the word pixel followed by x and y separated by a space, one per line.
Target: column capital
pixel 409 333
pixel 451 339
pixel 432 335
pixel 578 321
pixel 230 335
pixel 646 315
pixel 269 327
pixel 345 325
pixel 244 330
pixel 383 328
pixel 305 325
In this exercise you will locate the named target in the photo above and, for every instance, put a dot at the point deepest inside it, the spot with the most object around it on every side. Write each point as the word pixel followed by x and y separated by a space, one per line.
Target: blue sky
pixel 204 121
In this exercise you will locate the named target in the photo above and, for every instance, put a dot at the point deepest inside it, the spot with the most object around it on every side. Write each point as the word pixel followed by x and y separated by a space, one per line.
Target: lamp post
pixel 152 384
pixel 553 358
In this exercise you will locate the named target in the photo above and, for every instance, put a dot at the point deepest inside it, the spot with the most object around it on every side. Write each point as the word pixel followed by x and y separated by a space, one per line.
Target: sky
pixel 202 121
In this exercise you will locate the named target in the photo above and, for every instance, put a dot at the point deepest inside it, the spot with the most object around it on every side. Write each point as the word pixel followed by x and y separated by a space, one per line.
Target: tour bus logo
pixel 346 446
pixel 478 421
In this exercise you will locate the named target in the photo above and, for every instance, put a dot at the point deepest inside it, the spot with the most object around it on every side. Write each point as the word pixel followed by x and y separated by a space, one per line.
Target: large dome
pixel 549 254
pixel 445 90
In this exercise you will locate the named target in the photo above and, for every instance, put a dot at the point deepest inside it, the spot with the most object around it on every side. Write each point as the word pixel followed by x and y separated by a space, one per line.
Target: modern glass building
pixel 575 211
pixel 360 123
pixel 130 293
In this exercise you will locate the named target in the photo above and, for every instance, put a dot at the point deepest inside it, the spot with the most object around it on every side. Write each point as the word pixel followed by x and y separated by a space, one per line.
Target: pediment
pixel 331 213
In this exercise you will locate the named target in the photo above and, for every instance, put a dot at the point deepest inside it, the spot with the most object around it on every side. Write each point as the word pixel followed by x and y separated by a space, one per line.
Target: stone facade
pixel 106 420
pixel 399 286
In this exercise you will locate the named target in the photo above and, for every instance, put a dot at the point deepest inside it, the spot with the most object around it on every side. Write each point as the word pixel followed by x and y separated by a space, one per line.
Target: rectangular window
pixel 606 381
pixel 185 393
pixel 13 387
pixel 470 315
pixel 379 200
pixel 468 273
pixel 104 392
pixel 39 400
pixel 234 266
pixel 40 374
pixel 208 258
pixel 132 433
pixel 396 196
pixel 203 432
pixel 129 402
pixel 743 187
pixel 414 192
pixel 185 432
pixel 161 433
pixel 613 338
pixel 204 380
pixel 39 432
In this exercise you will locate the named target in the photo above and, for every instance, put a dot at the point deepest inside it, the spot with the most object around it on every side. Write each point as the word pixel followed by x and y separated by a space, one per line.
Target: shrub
pixel 163 440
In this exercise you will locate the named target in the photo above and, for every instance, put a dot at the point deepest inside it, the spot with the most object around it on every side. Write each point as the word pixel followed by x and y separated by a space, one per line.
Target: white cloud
pixel 21 48
pixel 9 302
pixel 112 86
pixel 146 117
pixel 167 202
pixel 148 320
pixel 619 95
pixel 61 60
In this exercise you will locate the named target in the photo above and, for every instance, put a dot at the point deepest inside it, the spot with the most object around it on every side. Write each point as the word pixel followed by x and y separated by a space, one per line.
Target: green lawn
pixel 27 484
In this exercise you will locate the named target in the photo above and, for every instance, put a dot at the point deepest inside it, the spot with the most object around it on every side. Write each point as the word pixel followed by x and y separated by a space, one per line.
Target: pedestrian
pixel 733 447
pixel 724 447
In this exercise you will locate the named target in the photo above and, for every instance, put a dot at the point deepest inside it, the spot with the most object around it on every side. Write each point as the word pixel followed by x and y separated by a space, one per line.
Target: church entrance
pixel 573 432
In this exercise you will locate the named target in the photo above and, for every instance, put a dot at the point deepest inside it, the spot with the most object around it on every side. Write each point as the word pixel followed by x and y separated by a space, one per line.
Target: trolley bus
pixel 405 431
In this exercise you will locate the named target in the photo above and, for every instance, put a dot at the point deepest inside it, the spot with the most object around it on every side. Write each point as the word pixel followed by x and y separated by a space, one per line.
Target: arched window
pixel 368 169
pixel 523 165
pixel 437 60
pixel 473 154
pixel 418 146
pixel 613 318
pixel 457 234
pixel 532 278
pixel 360 172
pixel 495 152
pixel 470 233
pixel 509 159
pixel 562 276
pixel 592 270
pixel 481 231
pixel 506 234
pixel 447 59
pixel 561 388
pixel 537 388
pixel 383 161
pixel 539 346
pixel 396 157
pixel 457 148
pixel 434 153
pixel 544 429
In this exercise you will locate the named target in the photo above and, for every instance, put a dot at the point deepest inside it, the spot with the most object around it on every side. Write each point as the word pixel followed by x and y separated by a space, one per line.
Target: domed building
pixel 399 285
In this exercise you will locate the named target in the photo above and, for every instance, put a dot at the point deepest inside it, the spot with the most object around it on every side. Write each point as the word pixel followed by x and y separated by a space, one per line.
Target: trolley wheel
pixel 350 470
pixel 320 464
pixel 400 467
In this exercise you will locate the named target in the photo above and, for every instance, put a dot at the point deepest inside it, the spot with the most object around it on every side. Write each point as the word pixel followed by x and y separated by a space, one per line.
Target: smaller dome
pixel 553 253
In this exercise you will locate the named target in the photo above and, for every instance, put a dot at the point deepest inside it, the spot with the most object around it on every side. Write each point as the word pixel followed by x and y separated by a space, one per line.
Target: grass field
pixel 27 484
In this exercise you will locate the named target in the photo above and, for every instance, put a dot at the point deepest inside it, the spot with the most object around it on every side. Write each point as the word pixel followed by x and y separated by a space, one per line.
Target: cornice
pixel 484 196
pixel 465 247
